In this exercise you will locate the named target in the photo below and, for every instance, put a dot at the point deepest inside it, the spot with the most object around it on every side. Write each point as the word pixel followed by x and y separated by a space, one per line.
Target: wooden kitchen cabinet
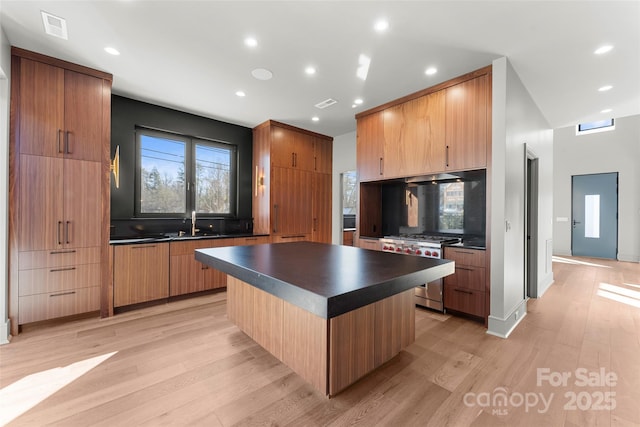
pixel 188 275
pixel 59 178
pixel 467 124
pixel 414 136
pixel 292 183
pixel 464 291
pixel 373 244
pixel 58 283
pixel 292 149
pixel 140 273
pixel 323 154
pixel 370 147
pixel 71 106
pixel 321 218
pixel 291 196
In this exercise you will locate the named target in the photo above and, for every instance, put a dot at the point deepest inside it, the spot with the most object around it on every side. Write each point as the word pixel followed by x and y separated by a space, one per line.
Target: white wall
pixel 614 151
pixel 5 72
pixel 344 159
pixel 517 123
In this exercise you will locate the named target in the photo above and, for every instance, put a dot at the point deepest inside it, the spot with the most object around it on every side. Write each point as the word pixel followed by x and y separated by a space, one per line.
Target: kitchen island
pixel 331 313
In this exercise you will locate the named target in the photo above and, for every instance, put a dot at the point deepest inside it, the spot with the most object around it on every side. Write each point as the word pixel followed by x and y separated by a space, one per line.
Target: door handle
pixel 574 222
pixel 275 219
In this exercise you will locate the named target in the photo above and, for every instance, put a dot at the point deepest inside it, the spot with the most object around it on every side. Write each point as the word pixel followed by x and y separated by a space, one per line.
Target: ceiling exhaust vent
pixel 54 26
pixel 326 103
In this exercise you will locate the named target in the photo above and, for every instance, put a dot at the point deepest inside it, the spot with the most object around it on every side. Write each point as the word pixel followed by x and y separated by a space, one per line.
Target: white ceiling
pixel 190 55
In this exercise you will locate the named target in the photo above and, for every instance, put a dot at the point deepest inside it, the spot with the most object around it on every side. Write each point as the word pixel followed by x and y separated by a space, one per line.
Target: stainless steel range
pixel 429 294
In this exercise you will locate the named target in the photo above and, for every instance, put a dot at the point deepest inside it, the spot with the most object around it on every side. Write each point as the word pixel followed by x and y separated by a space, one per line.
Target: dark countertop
pixel 174 237
pixel 326 280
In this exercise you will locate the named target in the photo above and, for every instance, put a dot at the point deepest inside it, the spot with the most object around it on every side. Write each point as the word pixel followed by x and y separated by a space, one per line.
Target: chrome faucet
pixel 193 223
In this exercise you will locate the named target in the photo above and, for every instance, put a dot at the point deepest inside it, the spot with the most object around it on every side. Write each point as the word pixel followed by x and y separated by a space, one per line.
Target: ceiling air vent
pixel 54 26
pixel 326 103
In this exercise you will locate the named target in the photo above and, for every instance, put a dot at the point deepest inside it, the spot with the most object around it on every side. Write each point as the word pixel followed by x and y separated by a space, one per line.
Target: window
pixel 593 127
pixel 177 174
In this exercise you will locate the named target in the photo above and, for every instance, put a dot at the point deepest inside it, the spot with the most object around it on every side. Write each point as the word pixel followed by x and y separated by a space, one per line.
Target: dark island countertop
pixel 326 280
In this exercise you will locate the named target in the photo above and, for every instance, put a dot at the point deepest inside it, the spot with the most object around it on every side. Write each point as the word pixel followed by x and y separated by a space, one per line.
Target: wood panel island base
pixel 331 313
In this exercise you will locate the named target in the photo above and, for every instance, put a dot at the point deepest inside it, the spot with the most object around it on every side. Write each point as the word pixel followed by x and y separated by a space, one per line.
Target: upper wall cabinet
pixel 445 128
pixel 414 136
pixel 370 147
pixel 467 117
pixel 69 107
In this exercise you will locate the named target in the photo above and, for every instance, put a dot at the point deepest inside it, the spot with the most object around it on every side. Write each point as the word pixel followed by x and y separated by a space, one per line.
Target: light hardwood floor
pixel 185 364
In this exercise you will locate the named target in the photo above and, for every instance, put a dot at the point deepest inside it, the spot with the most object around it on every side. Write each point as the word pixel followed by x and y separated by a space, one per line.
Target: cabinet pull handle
pixel 204 267
pixel 465 268
pixel 463 252
pixel 446 156
pixel 293 160
pixel 296 157
pixel 59 234
pixel 60 148
pixel 62 293
pixel 381 167
pixel 315 163
pixel 55 270
pixel 66 142
pixel 67 226
pixel 251 238
pixel 275 218
pixel 143 247
pixel 463 291
pixel 315 224
pixel 293 237
pixel 72 251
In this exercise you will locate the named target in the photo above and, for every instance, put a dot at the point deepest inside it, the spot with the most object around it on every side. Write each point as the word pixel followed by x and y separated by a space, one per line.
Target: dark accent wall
pixel 127 113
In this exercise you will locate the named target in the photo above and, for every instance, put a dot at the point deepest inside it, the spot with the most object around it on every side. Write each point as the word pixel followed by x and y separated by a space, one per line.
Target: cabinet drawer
pixel 290 238
pixel 463 256
pixel 464 300
pixel 58 258
pixel 187 247
pixel 369 244
pixel 49 280
pixel 34 308
pixel 467 277
pixel 256 240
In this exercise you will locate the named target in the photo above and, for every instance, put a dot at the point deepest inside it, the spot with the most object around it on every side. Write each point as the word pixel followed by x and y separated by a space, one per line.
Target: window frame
pixel 189 171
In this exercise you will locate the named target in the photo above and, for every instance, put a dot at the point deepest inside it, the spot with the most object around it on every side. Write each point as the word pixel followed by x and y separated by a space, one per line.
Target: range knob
pixel 408 251
pixel 398 249
pixel 384 248
pixel 418 252
pixel 427 253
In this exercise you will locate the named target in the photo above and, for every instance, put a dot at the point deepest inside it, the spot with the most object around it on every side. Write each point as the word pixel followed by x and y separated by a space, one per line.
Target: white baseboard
pixel 503 327
pixel 5 332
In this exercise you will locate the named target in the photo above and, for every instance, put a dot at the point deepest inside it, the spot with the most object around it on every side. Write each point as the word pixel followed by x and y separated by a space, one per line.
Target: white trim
pixel 503 327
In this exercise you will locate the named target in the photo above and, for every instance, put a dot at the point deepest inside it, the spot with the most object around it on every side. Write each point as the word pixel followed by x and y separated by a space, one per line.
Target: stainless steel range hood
pixel 446 177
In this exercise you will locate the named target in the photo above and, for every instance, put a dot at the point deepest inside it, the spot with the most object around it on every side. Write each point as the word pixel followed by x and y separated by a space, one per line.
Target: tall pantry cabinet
pixel 292 183
pixel 59 166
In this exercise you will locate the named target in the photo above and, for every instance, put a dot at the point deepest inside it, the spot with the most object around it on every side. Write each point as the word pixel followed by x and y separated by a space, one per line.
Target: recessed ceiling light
pixel 240 93
pixel 605 88
pixel 431 71
pixel 310 70
pixel 111 50
pixel 607 110
pixel 353 105
pixel 381 25
pixel 315 118
pixel 603 49
pixel 262 74
pixel 251 42
pixel 363 66
pixel 358 101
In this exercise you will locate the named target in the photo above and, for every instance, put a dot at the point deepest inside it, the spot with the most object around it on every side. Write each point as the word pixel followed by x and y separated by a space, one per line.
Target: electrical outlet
pixel 516 315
